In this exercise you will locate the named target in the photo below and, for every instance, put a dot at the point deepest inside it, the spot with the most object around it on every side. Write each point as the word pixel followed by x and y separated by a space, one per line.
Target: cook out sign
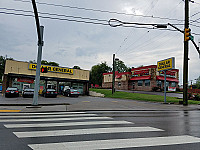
pixel 166 64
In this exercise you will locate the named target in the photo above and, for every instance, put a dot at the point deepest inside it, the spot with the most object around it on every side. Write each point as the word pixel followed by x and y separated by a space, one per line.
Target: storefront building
pixel 121 80
pixel 145 78
pixel 22 74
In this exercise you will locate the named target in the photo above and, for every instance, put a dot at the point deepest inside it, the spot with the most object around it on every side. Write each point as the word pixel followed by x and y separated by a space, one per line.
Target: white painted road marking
pixel 84 131
pixel 65 124
pixel 53 119
pixel 49 116
pixel 117 143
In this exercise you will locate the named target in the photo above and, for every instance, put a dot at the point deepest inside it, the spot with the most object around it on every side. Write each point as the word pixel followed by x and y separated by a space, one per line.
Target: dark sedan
pixel 28 92
pixel 12 92
pixel 49 93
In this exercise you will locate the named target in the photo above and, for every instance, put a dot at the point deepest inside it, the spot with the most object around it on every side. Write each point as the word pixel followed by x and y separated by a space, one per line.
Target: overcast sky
pixel 71 43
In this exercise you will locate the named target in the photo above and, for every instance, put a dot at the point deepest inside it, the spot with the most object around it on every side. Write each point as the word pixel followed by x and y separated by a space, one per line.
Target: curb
pixel 53 104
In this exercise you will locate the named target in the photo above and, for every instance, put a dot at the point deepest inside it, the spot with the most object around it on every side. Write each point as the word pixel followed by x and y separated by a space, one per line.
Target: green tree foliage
pixel 44 62
pixel 198 82
pixel 76 67
pixel 2 66
pixel 96 73
pixel 121 67
pixel 51 63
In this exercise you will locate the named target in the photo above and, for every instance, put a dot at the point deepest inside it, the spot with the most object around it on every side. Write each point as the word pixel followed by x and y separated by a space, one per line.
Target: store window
pixel 140 82
pixel 173 84
pixel 147 82
pixel 159 83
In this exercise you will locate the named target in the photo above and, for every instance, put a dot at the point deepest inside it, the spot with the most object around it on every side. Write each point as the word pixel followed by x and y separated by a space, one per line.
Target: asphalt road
pixel 98 123
pixel 87 130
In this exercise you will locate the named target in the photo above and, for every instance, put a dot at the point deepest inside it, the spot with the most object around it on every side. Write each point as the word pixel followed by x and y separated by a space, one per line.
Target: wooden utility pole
pixel 185 65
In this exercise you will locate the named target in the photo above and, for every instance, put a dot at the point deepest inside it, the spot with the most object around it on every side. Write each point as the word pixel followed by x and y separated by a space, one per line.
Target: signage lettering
pixel 166 64
pixel 52 69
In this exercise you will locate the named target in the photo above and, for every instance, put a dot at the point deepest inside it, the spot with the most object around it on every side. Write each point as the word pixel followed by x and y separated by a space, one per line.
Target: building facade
pixel 22 74
pixel 145 78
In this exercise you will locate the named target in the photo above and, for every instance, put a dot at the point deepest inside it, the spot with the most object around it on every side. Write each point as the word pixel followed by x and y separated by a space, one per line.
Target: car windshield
pixel 51 90
pixel 29 90
pixel 12 89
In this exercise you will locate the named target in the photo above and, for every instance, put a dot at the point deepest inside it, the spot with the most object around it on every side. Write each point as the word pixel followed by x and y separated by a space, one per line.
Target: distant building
pixel 22 75
pixel 143 78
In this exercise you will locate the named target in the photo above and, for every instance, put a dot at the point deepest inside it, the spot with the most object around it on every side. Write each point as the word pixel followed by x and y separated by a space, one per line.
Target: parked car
pixel 71 92
pixel 28 92
pixel 64 92
pixel 49 93
pixel 12 92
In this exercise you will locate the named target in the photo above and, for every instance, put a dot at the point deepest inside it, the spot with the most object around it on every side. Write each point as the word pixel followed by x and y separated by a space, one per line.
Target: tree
pixel 198 82
pixel 121 67
pixel 2 66
pixel 76 67
pixel 96 73
pixel 51 63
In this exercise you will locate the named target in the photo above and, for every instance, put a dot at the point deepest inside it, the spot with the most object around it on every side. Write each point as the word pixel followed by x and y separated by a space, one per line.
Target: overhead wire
pixel 181 24
pixel 151 9
pixel 153 5
pixel 45 13
pixel 98 10
pixel 73 20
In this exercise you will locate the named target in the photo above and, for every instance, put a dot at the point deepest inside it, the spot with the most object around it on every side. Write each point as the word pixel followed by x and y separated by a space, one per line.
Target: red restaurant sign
pixel 25 80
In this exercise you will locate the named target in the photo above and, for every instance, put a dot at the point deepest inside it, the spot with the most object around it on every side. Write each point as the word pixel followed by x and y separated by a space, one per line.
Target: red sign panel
pixel 25 80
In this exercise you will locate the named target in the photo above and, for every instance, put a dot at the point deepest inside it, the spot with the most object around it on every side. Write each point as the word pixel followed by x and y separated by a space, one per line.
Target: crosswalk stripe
pixel 66 124
pixel 53 119
pixel 117 143
pixel 84 131
pixel 49 116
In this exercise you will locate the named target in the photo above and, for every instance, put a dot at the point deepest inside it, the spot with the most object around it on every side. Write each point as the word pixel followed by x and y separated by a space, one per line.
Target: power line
pixel 102 11
pixel 54 18
pixel 45 13
pixel 105 23
pixel 146 14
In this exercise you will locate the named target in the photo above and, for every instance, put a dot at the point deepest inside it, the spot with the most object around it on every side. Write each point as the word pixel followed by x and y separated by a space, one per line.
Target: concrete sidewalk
pixel 88 103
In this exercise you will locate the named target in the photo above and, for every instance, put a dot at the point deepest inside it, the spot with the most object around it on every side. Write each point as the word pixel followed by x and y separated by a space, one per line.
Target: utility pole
pixel 185 65
pixel 40 44
pixel 113 81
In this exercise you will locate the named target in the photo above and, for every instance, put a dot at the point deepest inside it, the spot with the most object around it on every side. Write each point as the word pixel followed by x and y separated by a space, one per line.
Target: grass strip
pixel 139 96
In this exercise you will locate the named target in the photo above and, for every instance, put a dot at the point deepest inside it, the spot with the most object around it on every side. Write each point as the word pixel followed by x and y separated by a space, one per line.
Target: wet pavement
pixel 87 130
pixel 90 122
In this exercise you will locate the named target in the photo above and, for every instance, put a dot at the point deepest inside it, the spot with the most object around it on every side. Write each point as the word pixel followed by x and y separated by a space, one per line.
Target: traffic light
pixel 44 70
pixel 187 34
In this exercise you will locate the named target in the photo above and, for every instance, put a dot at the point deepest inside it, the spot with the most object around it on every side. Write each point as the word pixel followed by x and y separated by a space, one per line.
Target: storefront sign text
pixel 166 64
pixel 140 73
pixel 52 69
